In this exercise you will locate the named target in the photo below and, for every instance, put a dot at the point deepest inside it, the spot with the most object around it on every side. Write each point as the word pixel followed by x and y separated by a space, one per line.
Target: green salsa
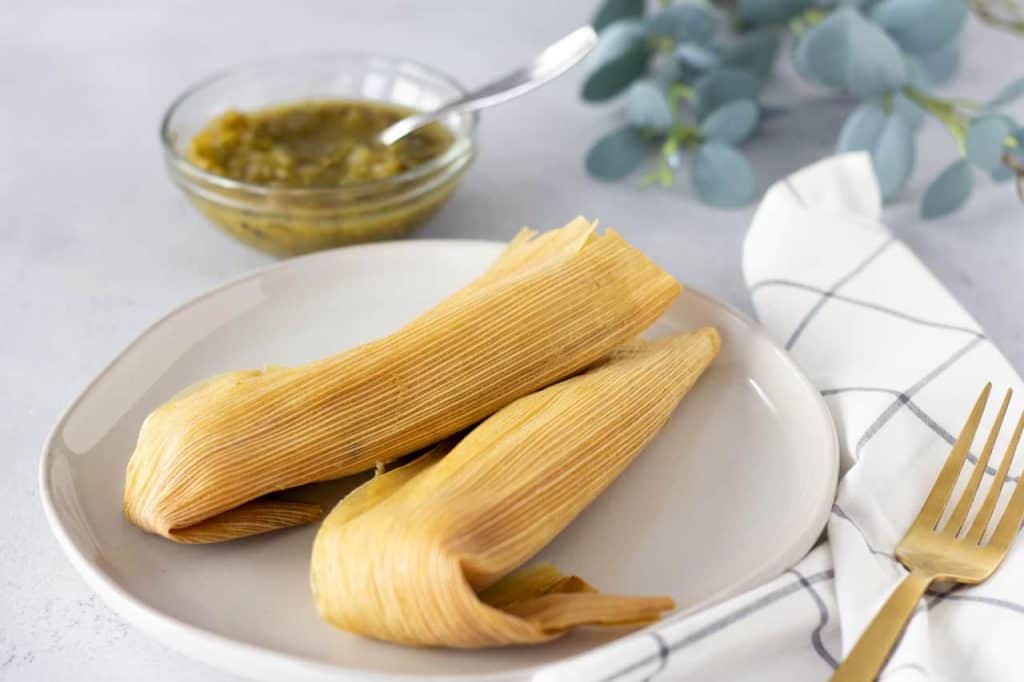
pixel 326 143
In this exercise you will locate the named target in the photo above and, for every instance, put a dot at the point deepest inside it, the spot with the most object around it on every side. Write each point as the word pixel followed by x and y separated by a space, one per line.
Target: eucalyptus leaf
pixel 862 128
pixel 616 154
pixel 611 11
pixel 771 11
pixel 877 66
pixel 682 23
pixel 949 191
pixel 893 156
pixel 985 140
pixel 799 59
pixel 730 123
pixel 917 77
pixel 722 86
pixel 647 107
pixel 619 58
pixel 920 26
pixel 847 51
pixel 616 40
pixel 1008 94
pixel 754 51
pixel 721 176
pixel 696 56
pixel 938 66
pixel 667 72
pixel 612 78
pixel 1002 173
pixel 909 110
pixel 889 139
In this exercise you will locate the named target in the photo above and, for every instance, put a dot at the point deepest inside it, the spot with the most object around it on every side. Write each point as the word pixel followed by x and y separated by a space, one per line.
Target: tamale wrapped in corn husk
pixel 550 306
pixel 426 554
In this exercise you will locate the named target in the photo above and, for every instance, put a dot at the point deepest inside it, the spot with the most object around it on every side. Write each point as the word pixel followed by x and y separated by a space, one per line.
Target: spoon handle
pixel 551 63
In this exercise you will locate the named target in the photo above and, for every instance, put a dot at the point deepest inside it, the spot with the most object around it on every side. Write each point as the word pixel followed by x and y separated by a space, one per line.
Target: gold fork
pixel 934 554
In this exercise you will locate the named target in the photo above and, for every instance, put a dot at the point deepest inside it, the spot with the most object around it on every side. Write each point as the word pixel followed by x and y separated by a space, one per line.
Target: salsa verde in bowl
pixel 281 154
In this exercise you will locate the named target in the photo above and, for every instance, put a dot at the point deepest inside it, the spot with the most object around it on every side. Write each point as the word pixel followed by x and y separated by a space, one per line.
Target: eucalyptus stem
pixel 806 19
pixel 676 94
pixel 945 111
pixel 967 104
pixel 1010 162
pixel 681 136
pixel 663 45
pixel 686 136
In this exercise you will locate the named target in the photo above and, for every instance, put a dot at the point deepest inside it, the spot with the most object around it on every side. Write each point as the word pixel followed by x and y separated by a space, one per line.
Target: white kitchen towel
pixel 899 363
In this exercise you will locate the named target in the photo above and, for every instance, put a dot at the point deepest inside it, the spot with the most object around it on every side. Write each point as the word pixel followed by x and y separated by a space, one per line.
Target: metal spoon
pixel 551 63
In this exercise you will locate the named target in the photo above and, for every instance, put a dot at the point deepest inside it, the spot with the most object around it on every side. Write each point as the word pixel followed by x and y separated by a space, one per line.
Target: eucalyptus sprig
pixel 694 95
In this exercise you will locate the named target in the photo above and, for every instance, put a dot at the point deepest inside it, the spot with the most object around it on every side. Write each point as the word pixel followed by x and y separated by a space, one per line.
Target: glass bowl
pixel 290 221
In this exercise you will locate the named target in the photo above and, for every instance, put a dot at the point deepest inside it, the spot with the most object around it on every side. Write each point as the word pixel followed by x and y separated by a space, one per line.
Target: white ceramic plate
pixel 734 490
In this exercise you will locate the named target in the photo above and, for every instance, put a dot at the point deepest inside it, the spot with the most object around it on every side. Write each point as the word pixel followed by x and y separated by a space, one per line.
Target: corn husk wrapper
pixel 426 554
pixel 550 306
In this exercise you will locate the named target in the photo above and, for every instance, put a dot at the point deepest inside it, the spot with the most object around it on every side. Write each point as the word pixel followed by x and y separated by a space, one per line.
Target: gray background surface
pixel 95 242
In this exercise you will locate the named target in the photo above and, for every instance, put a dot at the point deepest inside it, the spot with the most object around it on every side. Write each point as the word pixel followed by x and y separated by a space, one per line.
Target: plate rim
pixel 237 657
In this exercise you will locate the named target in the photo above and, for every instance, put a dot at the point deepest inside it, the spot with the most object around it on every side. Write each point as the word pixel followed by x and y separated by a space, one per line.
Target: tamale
pixel 426 554
pixel 550 306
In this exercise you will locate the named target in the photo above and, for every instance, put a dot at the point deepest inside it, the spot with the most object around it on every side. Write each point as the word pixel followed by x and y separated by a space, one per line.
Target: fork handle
pixel 872 650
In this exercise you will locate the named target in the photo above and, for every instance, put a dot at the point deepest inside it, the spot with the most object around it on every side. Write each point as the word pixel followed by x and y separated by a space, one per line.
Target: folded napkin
pixel 899 363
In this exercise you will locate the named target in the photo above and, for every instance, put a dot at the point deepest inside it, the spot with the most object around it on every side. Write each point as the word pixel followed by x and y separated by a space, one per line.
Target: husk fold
pixel 550 306
pixel 426 554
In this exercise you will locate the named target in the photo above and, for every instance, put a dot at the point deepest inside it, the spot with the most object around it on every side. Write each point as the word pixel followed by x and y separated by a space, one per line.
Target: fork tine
pixel 1009 524
pixel 963 506
pixel 931 510
pixel 977 530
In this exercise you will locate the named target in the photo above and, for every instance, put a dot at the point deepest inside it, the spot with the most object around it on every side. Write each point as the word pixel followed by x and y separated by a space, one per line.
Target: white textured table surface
pixel 96 243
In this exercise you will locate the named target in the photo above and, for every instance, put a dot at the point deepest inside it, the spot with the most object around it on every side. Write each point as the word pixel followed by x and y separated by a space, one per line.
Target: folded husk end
pixel 427 554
